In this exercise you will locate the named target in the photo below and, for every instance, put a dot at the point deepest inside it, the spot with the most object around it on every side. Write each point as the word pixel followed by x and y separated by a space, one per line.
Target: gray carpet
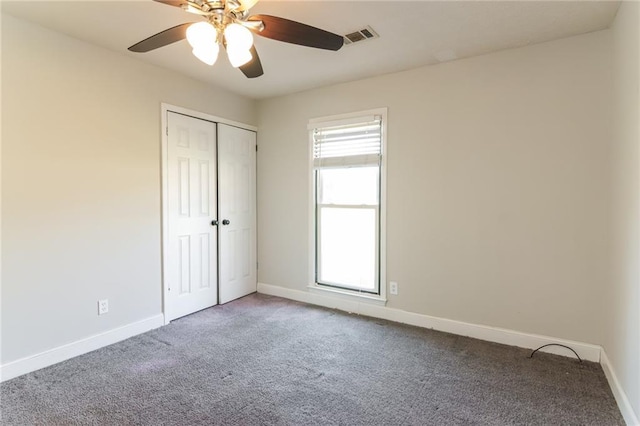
pixel 265 360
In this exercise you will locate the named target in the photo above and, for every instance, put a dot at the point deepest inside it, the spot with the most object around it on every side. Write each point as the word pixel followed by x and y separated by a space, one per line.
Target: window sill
pixel 348 295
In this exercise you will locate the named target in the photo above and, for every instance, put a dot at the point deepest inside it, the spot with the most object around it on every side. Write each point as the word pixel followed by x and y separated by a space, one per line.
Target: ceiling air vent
pixel 366 33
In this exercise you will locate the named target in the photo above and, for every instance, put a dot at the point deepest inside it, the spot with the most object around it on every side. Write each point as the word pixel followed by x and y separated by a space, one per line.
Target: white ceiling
pixel 412 34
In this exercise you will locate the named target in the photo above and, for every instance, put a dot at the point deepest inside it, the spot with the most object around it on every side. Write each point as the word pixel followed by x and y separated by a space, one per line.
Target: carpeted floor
pixel 266 360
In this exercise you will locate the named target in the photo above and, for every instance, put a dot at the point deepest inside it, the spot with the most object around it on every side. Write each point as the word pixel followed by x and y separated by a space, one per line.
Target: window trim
pixel 379 299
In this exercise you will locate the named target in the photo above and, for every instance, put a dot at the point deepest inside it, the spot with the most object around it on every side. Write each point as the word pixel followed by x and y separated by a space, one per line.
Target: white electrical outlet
pixel 393 287
pixel 103 306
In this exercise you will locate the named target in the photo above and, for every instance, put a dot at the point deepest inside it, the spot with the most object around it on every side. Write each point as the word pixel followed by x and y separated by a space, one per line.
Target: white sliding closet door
pixel 237 215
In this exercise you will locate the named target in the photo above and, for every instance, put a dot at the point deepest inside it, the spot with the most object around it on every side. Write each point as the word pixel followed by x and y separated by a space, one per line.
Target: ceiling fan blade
pixel 176 3
pixel 297 33
pixel 171 35
pixel 253 68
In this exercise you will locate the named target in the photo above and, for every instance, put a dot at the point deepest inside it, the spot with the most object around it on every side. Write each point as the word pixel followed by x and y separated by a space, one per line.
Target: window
pixel 347 169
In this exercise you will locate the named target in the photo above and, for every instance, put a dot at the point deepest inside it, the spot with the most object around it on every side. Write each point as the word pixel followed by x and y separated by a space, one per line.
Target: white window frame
pixel 381 272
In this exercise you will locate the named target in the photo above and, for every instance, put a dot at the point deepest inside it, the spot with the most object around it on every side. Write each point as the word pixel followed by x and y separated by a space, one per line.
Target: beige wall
pixel 500 171
pixel 498 181
pixel 622 314
pixel 81 184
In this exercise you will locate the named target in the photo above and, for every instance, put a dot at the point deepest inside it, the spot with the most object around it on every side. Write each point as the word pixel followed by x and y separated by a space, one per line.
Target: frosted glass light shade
pixel 201 34
pixel 238 57
pixel 238 37
pixel 207 54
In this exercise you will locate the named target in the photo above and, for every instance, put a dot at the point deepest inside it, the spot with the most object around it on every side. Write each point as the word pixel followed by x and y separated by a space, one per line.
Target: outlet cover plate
pixel 103 306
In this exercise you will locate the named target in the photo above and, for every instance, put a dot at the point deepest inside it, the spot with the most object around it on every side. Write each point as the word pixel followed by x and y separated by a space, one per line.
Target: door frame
pixel 165 108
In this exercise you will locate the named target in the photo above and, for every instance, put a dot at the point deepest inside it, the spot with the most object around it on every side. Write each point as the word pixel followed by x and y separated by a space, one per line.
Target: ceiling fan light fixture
pixel 238 57
pixel 238 37
pixel 229 24
pixel 207 54
pixel 201 34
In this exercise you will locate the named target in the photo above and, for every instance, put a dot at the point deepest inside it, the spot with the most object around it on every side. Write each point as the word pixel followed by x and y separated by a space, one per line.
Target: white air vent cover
pixel 363 34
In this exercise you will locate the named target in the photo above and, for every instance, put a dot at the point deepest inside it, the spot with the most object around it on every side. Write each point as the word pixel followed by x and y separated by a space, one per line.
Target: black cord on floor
pixel 556 344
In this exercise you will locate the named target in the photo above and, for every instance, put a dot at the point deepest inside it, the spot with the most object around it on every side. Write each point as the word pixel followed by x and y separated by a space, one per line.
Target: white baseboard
pixel 586 351
pixel 626 409
pixel 79 347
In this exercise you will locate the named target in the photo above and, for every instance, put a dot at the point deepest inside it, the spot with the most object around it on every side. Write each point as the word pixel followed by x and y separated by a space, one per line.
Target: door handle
pixel 214 223
pixel 225 221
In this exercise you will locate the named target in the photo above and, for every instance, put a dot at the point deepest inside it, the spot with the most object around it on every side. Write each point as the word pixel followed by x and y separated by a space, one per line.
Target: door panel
pixel 237 186
pixel 191 261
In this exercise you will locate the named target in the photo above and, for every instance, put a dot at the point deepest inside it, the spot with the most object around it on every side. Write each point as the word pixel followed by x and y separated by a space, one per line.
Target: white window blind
pixel 348 143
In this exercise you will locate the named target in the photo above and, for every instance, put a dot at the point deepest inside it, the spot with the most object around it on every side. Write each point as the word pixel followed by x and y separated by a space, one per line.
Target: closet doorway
pixel 209 211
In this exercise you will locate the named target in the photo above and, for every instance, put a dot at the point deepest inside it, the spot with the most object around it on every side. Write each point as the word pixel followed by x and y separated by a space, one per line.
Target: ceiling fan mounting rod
pixel 221 13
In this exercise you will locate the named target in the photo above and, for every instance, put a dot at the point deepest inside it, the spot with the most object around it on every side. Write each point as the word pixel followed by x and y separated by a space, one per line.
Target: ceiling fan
pixel 229 24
